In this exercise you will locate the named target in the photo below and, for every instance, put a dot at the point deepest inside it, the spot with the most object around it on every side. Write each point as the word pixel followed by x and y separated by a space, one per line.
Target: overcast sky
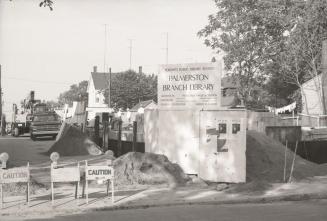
pixel 47 51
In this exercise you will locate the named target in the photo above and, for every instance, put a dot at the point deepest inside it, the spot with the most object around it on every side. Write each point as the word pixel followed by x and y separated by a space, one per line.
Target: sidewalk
pixel 144 197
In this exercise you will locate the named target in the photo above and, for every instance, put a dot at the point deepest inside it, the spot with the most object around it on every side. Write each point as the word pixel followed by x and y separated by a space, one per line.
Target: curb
pixel 258 200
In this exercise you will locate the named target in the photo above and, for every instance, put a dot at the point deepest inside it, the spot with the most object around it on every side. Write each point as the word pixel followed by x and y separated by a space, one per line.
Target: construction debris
pixel 265 161
pixel 73 142
pixel 147 169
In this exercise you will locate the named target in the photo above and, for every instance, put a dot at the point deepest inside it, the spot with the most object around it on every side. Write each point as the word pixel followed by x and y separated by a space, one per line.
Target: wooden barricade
pixel 99 172
pixel 62 174
pixel 15 175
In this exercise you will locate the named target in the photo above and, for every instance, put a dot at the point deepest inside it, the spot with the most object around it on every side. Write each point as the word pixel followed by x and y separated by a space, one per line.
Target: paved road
pixel 286 211
pixel 22 149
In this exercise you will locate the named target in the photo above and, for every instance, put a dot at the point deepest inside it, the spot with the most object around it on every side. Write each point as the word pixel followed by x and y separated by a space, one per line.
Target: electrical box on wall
pixel 223 145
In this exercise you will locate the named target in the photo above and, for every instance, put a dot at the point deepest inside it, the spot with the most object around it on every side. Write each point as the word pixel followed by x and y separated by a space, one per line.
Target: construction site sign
pixel 189 86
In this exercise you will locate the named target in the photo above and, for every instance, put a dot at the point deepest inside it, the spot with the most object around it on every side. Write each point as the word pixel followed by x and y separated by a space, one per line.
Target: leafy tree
pixel 271 44
pixel 46 3
pixel 248 32
pixel 129 88
pixel 77 92
pixel 301 60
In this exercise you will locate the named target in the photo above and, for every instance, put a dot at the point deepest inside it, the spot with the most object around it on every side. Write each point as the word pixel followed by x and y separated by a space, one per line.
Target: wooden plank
pixel 69 174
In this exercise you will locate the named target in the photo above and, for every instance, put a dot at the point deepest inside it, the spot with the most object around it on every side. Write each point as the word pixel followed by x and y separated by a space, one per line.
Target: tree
pixel 301 60
pixel 129 88
pixel 77 92
pixel 248 32
pixel 46 3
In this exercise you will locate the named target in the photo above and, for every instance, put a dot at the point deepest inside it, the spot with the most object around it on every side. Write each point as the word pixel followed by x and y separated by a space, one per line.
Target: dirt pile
pixel 265 161
pixel 147 169
pixel 73 142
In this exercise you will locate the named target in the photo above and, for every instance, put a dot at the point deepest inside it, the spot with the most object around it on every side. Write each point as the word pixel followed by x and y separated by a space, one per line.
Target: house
pixel 149 104
pixel 139 108
pixel 311 97
pixel 98 82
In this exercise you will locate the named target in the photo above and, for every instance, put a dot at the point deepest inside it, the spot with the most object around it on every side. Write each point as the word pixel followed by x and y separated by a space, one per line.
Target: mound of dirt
pixel 265 161
pixel 147 169
pixel 73 142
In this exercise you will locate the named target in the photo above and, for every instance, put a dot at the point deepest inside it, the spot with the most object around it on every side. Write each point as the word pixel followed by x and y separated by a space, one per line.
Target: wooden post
pixel 119 145
pixel 105 133
pixel 108 181
pixel 1 200
pixel 285 161
pixel 96 129
pixel 52 187
pixel 293 116
pixel 292 168
pixel 28 186
pixel 86 185
pixel 134 135
pixel 77 185
pixel 112 191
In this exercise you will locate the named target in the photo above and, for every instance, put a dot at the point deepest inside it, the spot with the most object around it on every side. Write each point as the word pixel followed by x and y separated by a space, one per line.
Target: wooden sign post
pixel 99 172
pixel 15 175
pixel 62 175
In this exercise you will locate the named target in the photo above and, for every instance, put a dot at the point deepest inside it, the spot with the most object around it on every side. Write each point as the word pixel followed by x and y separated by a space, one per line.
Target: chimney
pixel 94 69
pixel 324 74
pixel 140 69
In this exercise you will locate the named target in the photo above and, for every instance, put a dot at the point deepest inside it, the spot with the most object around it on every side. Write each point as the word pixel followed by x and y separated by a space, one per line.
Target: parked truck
pixel 35 118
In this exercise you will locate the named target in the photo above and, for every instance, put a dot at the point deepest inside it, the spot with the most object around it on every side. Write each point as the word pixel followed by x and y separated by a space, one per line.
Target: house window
pixel 97 99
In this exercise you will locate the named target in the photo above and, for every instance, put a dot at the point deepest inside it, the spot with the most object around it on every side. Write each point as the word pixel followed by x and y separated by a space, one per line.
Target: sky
pixel 47 51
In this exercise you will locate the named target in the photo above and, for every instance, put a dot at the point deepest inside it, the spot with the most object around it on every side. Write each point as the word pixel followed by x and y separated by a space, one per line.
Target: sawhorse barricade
pixel 15 175
pixel 99 172
pixel 62 175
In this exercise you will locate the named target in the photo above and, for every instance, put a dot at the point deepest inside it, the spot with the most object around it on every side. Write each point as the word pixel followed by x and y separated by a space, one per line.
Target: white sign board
pixel 15 175
pixel 65 174
pixel 99 173
pixel 189 86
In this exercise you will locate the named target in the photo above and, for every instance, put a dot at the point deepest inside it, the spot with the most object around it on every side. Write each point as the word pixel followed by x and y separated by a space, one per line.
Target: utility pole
pixel 109 89
pixel 167 48
pixel 130 53
pixel 105 48
pixel 0 96
pixel 1 117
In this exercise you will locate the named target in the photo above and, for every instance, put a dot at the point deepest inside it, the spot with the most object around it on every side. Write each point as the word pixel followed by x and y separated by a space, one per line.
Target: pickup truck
pixel 44 124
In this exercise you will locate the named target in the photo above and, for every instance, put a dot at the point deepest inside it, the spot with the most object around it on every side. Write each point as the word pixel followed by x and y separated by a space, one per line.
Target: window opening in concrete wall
pixel 222 128
pixel 236 128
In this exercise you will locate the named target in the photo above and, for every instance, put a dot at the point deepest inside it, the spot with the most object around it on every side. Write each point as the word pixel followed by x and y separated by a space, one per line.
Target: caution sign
pixel 15 175
pixel 99 173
